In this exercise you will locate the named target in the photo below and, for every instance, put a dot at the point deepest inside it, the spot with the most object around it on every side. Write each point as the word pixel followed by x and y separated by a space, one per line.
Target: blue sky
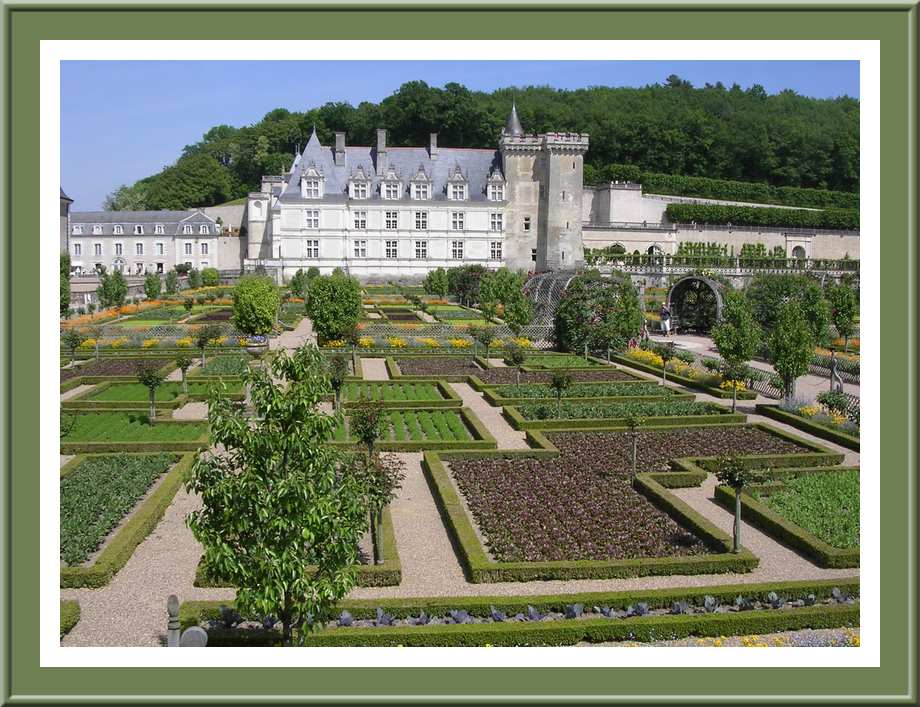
pixel 123 120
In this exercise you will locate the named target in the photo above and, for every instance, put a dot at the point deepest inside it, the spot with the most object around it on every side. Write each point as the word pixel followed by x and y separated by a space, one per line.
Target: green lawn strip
pixel 386 574
pixel 841 437
pixel 398 427
pixel 70 615
pixel 97 494
pixel 714 416
pixel 131 427
pixel 141 523
pixel 614 409
pixel 602 389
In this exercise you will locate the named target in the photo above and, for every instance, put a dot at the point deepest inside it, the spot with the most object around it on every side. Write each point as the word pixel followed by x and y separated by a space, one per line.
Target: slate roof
pixel 64 196
pixel 172 221
pixel 475 164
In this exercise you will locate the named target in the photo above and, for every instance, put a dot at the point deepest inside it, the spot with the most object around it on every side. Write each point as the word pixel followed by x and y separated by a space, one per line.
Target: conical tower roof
pixel 513 126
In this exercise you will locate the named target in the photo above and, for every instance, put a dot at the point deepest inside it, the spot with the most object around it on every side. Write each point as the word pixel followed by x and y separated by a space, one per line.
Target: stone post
pixel 172 625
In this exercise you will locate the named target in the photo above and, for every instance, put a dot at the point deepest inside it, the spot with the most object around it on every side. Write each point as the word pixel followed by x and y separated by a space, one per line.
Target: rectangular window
pixel 360 249
pixel 78 230
pixel 391 190
pixel 311 249
pixel 187 229
pixel 458 192
pixel 159 249
pixel 456 250
pixel 421 250
pixel 138 268
pixel 188 248
pixel 495 222
pixel 527 223
pixel 159 267
pixel 311 189
pixel 97 248
pixel 497 192
pixel 421 192
pixel 360 190
pixel 138 230
pixel 496 250
pixel 158 230
pixel 456 220
pixel 118 249
pixel 117 229
pixel 77 249
pixel 204 248
pixel 391 250
pixel 311 219
pixel 533 254
pixel 391 222
pixel 203 229
pixel 360 220
pixel 421 220
pixel 138 248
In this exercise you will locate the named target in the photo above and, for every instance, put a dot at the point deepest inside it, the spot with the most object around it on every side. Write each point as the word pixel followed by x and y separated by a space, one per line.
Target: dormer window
pixel 496 187
pixel 158 229
pixel 391 187
pixel 138 230
pixel 97 230
pixel 78 230
pixel 312 183
pixel 420 185
pixel 203 229
pixel 117 229
pixel 187 230
pixel 457 185
pixel 359 185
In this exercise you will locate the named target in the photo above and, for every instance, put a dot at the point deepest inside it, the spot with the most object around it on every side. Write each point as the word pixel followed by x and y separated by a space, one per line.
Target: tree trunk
pixel 286 620
pixel 846 344
pixel 153 407
pixel 559 405
pixel 734 395
pixel 202 357
pixel 184 383
pixel 335 399
pixel 97 348
pixel 73 356
pixel 376 522
pixel 518 372
pixel 664 372
pixel 737 534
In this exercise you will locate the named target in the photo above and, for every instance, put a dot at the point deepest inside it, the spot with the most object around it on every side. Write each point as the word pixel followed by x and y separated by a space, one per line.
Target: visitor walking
pixel 665 314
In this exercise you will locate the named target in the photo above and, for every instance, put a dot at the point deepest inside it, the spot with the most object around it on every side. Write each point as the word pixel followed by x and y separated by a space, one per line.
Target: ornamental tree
pixel 172 282
pixel 633 423
pixel 65 285
pixel 767 293
pixel 515 357
pixel 737 338
pixel 382 476
pixel 731 471
pixel 666 352
pixel 152 286
pixel 210 277
pixel 282 509
pixel 602 313
pixel 188 303
pixel 338 371
pixel 560 383
pixel 334 304
pixel 72 340
pixel 518 313
pixel 483 335
pixel 194 279
pixel 112 289
pixel 204 336
pixel 255 305
pixel 298 283
pixel 184 363
pixel 151 377
pixel 791 346
pixel 436 283
pixel 844 310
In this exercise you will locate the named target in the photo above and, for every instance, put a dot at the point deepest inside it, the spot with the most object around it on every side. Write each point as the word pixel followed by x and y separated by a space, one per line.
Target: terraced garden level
pixel 97 494
pixel 825 504
pixel 126 427
pixel 109 367
pixel 602 410
pixel 222 366
pixel 560 361
pixel 419 426
pixel 584 390
pixel 392 391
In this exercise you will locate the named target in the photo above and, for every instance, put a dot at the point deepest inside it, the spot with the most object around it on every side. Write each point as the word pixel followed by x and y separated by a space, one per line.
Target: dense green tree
pixel 334 304
pixel 183 363
pixel 791 346
pixel 65 285
pixel 282 509
pixel 71 339
pixel 210 277
pixel 194 279
pixel 436 282
pixel 152 286
pixel 298 283
pixel 151 376
pixel 255 305
pixel 560 382
pixel 844 311
pixel 767 293
pixel 172 282
pixel 515 357
pixel 112 289
pixel 597 313
pixel 737 338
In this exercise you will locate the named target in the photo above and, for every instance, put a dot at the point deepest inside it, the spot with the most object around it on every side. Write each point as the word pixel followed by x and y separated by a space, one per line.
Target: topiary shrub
pixel 255 305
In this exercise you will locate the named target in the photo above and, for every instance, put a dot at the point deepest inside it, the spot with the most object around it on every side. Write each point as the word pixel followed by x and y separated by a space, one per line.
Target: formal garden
pixel 434 469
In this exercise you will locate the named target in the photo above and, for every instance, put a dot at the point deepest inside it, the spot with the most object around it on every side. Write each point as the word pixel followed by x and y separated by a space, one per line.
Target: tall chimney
pixel 381 151
pixel 433 146
pixel 340 149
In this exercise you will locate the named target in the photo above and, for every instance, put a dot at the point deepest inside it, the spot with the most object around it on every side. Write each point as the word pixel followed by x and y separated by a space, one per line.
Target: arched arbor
pixel 696 303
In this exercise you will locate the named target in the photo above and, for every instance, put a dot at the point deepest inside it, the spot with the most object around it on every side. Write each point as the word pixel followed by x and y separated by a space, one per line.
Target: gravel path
pixel 374 369
pixel 176 374
pixel 302 334
pixel 195 410
pixel 74 392
pixel 66 458
pixel 506 436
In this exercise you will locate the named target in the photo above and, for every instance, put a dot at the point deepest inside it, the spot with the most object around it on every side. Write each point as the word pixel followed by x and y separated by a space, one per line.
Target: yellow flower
pixel 523 342
pixel 243 341
pixel 396 342
pixel 219 341
pixel 119 343
pixel 366 342
pixel 428 341
pixel 809 410
pixel 728 385
pixel 88 344
pixel 150 343
pixel 650 358
pixel 460 343
pixel 335 343
pixel 184 342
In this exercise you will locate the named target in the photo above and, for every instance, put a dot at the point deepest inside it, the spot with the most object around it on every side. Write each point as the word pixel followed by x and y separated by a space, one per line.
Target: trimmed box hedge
pixel 682 380
pixel 493 395
pixel 519 422
pixel 396 374
pixel 386 574
pixel 785 531
pixel 120 548
pixel 775 412
pixel 102 446
pixel 70 615
pixel 481 437
pixel 479 568
pixel 84 401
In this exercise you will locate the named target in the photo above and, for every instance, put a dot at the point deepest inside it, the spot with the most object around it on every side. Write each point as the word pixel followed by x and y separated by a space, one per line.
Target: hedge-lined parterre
pixel 109 367
pixel 539 391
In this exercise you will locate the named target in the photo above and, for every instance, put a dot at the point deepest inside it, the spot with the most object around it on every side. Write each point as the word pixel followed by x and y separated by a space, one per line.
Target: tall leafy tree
pixel 152 286
pixel 737 337
pixel 334 304
pixel 282 509
pixel 767 293
pixel 112 290
pixel 791 346
pixel 255 305
pixel 65 285
pixel 151 377
pixel 597 313
pixel 844 311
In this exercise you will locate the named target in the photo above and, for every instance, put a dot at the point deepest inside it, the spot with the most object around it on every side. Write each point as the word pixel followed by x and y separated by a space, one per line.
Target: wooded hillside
pixel 670 128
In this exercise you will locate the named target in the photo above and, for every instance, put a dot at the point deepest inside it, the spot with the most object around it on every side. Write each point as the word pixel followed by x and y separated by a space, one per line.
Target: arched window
pixel 654 249
pixel 798 253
